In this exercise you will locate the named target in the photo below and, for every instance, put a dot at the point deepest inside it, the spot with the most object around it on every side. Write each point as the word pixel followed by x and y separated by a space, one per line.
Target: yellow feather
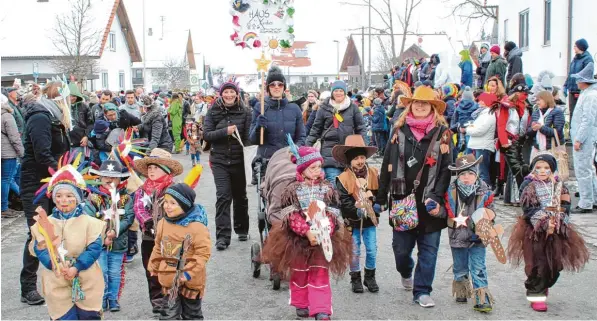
pixel 46 180
pixel 193 177
pixel 77 160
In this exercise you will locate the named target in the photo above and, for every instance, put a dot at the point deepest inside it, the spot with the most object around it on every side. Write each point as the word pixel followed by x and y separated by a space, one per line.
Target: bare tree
pixel 383 62
pixel 470 10
pixel 77 40
pixel 174 74
pixel 409 6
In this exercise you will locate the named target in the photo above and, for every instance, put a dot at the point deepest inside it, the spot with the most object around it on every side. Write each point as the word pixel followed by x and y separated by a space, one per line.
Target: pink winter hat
pixel 308 156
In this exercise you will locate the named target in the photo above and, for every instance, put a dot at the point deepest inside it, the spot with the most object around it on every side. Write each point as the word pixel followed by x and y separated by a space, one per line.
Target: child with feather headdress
pixel 311 241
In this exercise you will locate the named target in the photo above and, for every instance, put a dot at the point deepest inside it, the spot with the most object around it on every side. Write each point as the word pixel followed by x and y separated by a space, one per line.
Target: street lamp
pixel 338 57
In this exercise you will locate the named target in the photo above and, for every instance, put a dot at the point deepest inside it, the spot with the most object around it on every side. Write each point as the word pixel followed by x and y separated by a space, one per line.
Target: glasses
pixel 276 84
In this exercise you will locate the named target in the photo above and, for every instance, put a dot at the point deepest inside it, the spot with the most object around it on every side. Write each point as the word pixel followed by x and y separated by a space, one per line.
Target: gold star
pixel 461 220
pixel 262 63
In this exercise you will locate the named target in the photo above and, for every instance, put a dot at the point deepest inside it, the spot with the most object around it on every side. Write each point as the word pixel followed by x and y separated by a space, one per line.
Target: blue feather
pixel 293 147
pixel 40 196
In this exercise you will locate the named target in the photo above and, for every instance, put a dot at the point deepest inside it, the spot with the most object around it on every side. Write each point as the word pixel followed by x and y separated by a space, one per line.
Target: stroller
pixel 281 172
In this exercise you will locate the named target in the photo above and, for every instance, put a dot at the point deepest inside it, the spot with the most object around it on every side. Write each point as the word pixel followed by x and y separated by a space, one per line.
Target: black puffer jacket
pixel 225 149
pixel 323 127
pixel 45 140
pixel 155 129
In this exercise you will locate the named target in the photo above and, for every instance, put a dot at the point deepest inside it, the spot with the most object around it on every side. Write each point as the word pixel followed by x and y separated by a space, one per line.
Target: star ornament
pixel 110 167
pixel 460 220
pixel 430 161
pixel 262 63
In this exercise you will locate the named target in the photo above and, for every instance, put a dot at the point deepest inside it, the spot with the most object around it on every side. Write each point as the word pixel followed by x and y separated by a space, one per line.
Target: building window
pixel 138 73
pixel 315 80
pixel 505 30
pixel 326 79
pixel 112 41
pixel 304 79
pixel 547 23
pixel 523 29
pixel 104 80
pixel 121 80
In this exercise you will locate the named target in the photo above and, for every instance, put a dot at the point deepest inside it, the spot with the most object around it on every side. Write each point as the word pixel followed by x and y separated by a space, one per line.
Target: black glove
pixel 148 226
pixel 262 121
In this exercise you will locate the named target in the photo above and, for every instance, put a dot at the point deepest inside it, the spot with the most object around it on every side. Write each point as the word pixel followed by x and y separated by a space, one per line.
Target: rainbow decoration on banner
pixel 249 36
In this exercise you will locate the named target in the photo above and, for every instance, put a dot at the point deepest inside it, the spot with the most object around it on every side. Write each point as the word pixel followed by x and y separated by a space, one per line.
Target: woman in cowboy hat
pixel 466 195
pixel 98 202
pixel 357 186
pixel 543 236
pixel 419 151
pixel 159 168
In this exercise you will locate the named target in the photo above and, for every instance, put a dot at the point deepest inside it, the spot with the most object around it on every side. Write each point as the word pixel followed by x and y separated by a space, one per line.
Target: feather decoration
pixel 192 179
pixel 41 195
pixel 77 160
pixel 293 147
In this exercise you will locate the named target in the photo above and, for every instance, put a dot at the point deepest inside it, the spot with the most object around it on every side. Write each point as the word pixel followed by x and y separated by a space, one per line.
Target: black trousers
pixel 30 262
pixel 572 100
pixel 155 289
pixel 132 248
pixel 231 186
pixel 185 308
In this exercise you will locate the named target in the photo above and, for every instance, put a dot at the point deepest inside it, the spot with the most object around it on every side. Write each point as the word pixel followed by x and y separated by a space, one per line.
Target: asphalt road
pixel 232 293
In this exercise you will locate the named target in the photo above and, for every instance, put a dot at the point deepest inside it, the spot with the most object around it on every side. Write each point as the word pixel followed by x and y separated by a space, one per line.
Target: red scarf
pixel 420 127
pixel 157 185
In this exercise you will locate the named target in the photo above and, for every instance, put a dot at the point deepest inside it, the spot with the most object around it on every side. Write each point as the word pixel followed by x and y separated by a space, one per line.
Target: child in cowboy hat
pixel 467 200
pixel 356 187
pixel 183 246
pixel 310 242
pixel 159 168
pixel 99 205
pixel 543 236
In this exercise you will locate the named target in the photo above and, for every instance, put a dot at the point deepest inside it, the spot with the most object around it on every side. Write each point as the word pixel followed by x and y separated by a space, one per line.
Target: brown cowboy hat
pixel 158 156
pixel 423 93
pixel 352 141
pixel 465 161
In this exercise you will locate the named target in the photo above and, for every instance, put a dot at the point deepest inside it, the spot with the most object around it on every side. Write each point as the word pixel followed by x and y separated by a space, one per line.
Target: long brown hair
pixel 501 91
pixel 50 90
pixel 547 97
pixel 439 119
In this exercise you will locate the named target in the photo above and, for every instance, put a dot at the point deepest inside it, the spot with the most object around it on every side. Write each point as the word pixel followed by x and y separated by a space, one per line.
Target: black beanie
pixel 275 74
pixel 183 194
pixel 353 153
pixel 548 158
pixel 509 46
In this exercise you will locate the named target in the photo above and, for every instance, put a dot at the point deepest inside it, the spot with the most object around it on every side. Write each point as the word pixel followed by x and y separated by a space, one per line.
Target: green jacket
pixel 95 205
pixel 497 67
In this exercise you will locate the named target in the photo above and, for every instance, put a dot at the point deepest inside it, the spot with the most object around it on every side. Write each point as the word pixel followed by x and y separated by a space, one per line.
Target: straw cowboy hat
pixel 465 162
pixel 110 168
pixel 158 156
pixel 423 93
pixel 352 141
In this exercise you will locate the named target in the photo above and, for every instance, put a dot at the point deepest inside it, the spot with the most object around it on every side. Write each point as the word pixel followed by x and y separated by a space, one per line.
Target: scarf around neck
pixel 157 186
pixel 420 127
pixel 342 105
pixel 362 173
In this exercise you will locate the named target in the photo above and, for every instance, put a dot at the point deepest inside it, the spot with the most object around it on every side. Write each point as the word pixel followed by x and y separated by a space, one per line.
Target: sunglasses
pixel 276 84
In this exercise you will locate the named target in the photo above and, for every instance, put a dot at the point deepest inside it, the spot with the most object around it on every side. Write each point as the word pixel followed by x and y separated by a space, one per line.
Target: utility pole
pixel 162 19
pixel 337 58
pixel 363 51
pixel 369 73
pixel 144 56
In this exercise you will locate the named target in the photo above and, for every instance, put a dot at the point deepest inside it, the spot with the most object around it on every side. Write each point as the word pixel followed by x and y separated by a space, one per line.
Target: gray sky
pixel 321 21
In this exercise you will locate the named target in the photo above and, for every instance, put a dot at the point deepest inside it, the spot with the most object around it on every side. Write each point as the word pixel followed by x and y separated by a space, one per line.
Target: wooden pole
pixel 262 103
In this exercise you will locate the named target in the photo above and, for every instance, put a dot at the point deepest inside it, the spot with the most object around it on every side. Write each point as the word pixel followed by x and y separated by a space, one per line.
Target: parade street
pixel 232 292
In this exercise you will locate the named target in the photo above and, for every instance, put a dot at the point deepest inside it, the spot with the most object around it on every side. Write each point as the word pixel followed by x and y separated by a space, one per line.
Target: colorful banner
pixel 263 23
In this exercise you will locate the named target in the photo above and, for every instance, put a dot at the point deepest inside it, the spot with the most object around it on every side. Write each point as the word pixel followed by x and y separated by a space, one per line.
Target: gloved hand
pixel 377 208
pixel 262 121
pixel 431 205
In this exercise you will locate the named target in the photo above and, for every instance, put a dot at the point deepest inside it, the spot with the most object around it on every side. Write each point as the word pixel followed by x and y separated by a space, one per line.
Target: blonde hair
pixel 438 118
pixel 547 97
pixel 51 91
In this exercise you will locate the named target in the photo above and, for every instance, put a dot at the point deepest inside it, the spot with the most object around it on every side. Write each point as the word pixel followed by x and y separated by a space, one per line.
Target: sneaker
pixel 580 210
pixel 221 245
pixel 129 259
pixel 10 213
pixel 302 313
pixel 243 237
pixel 485 308
pixel 539 306
pixel 461 300
pixel 114 306
pixel 105 305
pixel 425 301
pixel 407 283
pixel 322 316
pixel 32 298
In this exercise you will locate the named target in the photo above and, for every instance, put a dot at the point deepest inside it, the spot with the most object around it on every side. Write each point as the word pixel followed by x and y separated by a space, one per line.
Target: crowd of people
pixel 494 130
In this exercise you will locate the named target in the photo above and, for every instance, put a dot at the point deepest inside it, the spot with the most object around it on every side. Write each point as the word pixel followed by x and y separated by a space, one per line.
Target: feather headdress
pixel 71 170
pixel 126 151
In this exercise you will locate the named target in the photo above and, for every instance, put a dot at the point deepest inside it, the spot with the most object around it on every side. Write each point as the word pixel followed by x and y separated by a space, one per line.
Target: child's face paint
pixel 65 200
pixel 171 206
pixel 542 170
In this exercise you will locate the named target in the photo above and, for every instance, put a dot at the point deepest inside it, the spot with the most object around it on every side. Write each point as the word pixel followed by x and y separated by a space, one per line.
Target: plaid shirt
pixel 142 213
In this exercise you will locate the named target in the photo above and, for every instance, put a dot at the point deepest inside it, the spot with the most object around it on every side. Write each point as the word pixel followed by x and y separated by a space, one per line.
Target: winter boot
pixel 370 281
pixel 355 281
pixel 483 300
pixel 302 312
pixel 462 290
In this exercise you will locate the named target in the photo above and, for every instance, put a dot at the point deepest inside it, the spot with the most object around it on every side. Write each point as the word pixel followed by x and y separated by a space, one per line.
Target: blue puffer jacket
pixel 450 105
pixel 282 118
pixel 379 119
pixel 553 121
pixel 578 63
pixel 466 78
pixel 463 114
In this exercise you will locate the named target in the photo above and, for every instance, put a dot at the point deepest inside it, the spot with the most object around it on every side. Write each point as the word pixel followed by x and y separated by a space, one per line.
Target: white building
pixel 541 29
pixel 172 48
pixel 30 48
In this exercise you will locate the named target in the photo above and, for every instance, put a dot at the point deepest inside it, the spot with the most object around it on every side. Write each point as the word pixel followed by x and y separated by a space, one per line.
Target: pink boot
pixel 539 306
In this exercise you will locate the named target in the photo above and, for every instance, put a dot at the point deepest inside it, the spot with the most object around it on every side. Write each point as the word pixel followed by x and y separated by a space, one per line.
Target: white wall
pixel 553 56
pixel 116 61
pixel 25 66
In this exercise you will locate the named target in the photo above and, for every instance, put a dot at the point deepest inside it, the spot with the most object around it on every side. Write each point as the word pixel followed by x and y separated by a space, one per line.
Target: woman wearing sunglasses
pixel 280 117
